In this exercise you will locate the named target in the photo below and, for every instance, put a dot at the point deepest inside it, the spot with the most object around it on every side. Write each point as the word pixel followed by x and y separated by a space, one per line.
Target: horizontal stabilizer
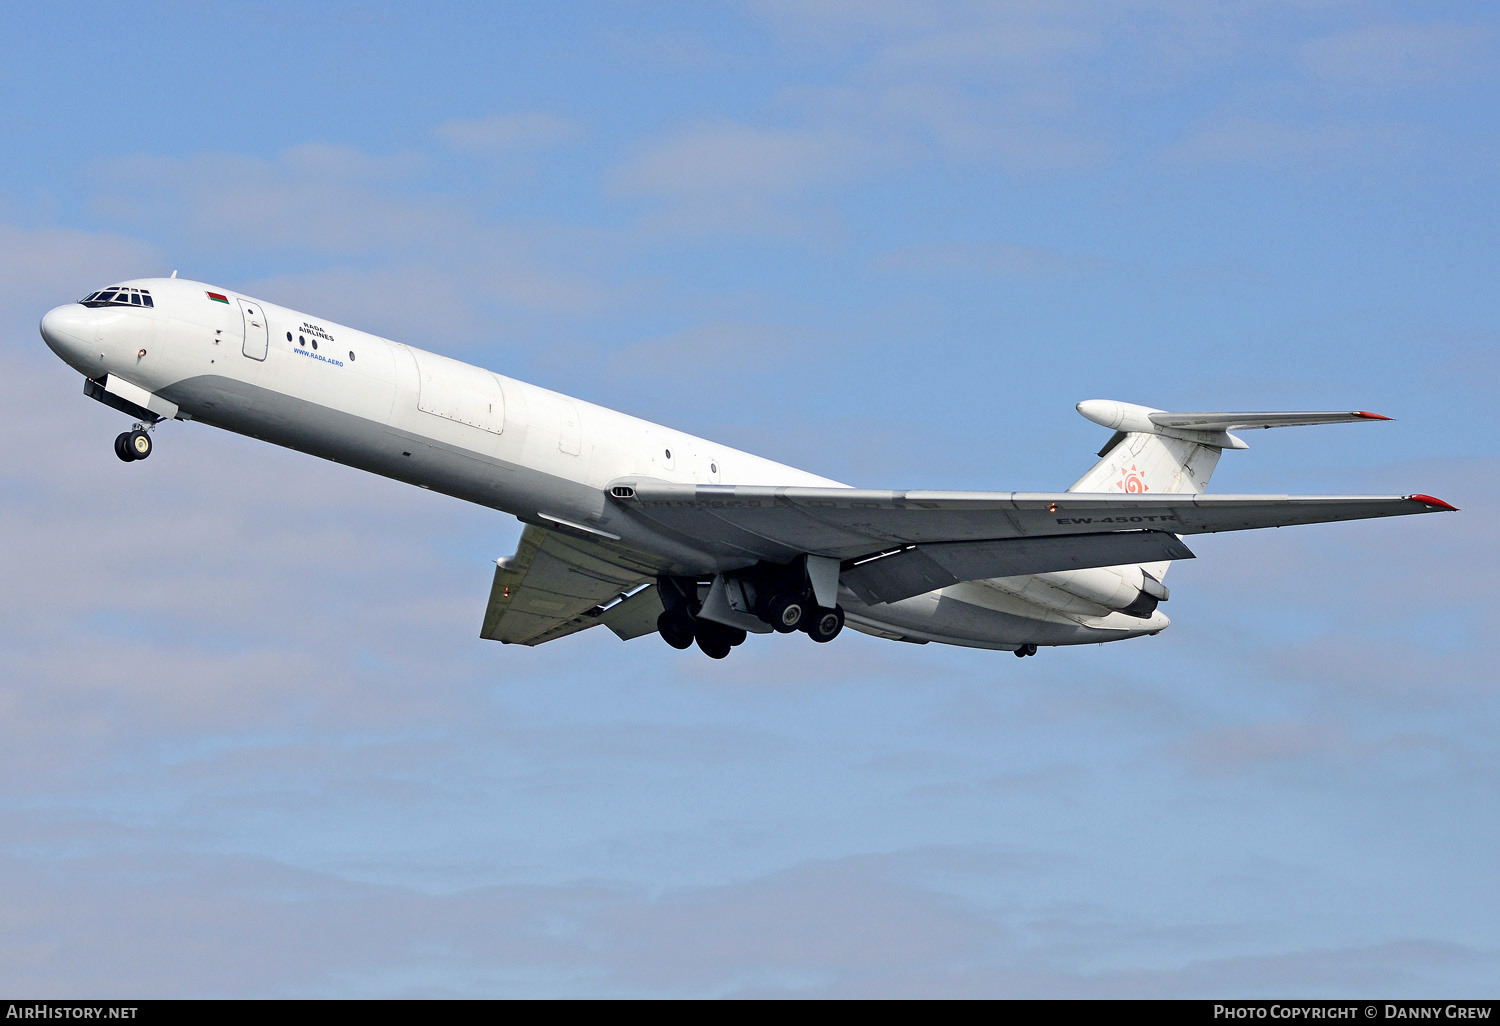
pixel 1206 428
pixel 1240 421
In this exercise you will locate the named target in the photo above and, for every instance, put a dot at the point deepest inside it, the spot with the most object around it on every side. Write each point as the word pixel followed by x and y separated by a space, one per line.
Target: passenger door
pixel 257 336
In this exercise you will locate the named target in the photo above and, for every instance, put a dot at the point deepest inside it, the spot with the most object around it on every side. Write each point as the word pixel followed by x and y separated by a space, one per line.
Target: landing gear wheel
pixel 714 639
pixel 139 445
pixel 675 628
pixel 785 612
pixel 824 624
pixel 122 447
pixel 1028 649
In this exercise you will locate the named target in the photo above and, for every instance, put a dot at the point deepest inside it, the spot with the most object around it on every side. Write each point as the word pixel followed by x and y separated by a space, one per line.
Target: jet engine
pixel 1094 592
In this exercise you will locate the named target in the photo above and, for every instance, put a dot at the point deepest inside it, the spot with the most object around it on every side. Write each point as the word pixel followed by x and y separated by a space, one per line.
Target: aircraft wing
pixel 918 569
pixel 558 584
pixel 851 524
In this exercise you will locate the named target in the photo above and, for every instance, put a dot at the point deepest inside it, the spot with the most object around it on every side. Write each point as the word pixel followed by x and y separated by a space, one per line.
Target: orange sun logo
pixel 1131 481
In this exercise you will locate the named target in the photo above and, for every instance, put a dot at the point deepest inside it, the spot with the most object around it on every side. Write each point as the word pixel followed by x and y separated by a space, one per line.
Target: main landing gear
pixel 785 610
pixel 134 444
pixel 1025 650
pixel 824 624
pixel 788 612
pixel 681 628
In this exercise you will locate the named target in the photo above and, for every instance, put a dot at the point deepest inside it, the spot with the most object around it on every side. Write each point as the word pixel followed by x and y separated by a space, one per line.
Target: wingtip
pixel 1434 503
pixel 1367 415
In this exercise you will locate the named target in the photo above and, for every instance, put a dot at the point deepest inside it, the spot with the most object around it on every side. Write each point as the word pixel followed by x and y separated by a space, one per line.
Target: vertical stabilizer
pixel 1136 462
pixel 1139 460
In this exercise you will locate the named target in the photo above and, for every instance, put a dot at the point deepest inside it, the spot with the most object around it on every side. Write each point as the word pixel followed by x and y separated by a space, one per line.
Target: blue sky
pixel 251 744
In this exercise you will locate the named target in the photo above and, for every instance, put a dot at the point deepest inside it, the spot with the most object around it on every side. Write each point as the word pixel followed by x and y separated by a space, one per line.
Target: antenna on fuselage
pixel 174 272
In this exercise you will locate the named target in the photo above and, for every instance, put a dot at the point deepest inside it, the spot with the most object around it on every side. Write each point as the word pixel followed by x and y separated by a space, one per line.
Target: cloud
pixel 1409 54
pixel 985 84
pixel 508 132
pixel 705 352
pixel 47 266
pixel 199 592
pixel 981 259
pixel 1251 140
pixel 800 929
pixel 146 922
pixel 673 50
pixel 313 199
pixel 734 159
pixel 964 35
pixel 181 925
pixel 1034 88
pixel 737 177
pixel 372 240
pixel 1022 131
pixel 1242 747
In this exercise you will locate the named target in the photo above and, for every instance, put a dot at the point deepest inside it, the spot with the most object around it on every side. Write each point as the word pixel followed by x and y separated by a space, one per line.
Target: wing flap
pixel 635 616
pixel 924 568
pixel 555 585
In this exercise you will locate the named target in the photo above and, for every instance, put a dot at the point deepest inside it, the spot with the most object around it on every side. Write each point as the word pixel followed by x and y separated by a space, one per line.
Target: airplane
pixel 648 530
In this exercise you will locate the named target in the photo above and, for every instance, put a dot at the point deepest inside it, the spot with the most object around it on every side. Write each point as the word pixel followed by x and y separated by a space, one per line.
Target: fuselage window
pixel 351 356
pixel 315 343
pixel 300 340
pixel 289 336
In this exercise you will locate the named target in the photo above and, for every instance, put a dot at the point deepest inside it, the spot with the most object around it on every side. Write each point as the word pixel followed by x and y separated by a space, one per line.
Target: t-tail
pixel 1155 452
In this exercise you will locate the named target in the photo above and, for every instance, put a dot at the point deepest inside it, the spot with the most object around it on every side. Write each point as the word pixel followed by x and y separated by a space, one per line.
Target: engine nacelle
pixel 1094 592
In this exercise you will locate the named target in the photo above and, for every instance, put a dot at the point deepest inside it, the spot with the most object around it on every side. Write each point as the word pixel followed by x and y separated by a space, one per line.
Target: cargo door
pixel 459 392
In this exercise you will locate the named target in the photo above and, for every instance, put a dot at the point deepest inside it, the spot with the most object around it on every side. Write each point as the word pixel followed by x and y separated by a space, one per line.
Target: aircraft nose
pixel 69 331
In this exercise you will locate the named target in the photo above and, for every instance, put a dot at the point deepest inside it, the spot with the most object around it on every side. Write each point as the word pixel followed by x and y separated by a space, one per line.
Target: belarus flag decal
pixel 218 298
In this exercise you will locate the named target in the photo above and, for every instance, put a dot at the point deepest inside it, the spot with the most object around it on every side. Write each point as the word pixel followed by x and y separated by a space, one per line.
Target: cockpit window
pixel 118 297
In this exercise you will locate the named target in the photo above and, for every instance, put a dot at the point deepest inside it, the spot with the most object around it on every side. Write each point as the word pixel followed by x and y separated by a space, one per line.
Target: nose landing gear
pixel 1028 649
pixel 133 445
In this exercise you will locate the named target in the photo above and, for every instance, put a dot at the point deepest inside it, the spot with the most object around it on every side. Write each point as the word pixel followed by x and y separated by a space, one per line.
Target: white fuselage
pixel 332 391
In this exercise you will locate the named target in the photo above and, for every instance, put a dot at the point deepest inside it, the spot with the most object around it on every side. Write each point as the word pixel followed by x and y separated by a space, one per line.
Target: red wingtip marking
pixel 1369 416
pixel 1430 501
